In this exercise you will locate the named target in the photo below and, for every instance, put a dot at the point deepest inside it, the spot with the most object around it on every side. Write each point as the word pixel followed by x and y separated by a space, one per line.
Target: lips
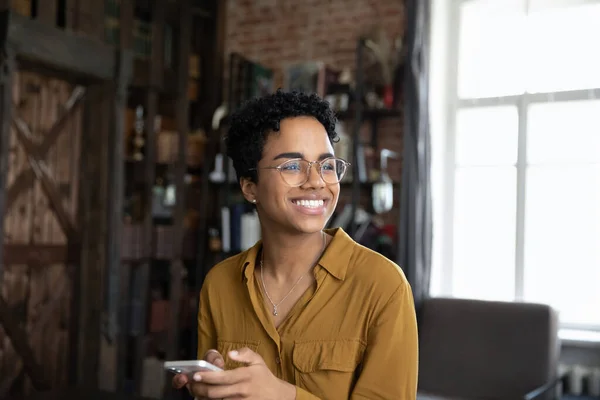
pixel 308 205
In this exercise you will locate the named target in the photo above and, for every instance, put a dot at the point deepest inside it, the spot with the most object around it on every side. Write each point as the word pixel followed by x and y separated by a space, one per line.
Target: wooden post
pixel 156 74
pixel 6 73
pixel 119 274
pixel 118 277
pixel 93 205
pixel 185 22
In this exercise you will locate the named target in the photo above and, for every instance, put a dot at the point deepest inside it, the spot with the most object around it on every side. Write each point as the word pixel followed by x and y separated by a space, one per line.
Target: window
pixel 521 171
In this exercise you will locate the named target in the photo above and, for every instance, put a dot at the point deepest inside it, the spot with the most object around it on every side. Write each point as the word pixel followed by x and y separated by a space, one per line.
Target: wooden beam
pixel 40 170
pixel 46 315
pixel 6 79
pixel 39 254
pixel 56 48
pixel 18 338
pixel 184 43
pixel 26 177
pixel 22 182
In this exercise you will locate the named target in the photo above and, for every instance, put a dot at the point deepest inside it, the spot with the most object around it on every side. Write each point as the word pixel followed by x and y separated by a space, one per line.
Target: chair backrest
pixel 485 349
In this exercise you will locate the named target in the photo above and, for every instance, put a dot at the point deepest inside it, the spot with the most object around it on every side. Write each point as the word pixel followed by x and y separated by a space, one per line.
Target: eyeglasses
pixel 295 172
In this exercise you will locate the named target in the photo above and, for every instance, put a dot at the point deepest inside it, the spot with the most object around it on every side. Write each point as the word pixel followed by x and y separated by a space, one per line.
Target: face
pixel 301 209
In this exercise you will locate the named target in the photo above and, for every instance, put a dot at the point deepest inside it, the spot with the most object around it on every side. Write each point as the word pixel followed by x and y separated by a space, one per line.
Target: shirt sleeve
pixel 390 363
pixel 207 335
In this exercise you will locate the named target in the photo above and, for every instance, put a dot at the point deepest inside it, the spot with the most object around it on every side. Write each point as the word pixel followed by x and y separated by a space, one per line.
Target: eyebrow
pixel 300 155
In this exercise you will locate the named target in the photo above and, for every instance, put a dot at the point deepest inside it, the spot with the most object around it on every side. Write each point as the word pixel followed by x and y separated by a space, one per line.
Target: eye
pixel 292 166
pixel 329 165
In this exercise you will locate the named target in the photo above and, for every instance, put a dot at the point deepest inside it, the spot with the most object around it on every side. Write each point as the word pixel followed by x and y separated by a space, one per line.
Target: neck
pixel 286 257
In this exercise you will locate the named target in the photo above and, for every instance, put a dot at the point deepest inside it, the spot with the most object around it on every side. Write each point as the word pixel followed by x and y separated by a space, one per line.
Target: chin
pixel 311 224
pixel 309 218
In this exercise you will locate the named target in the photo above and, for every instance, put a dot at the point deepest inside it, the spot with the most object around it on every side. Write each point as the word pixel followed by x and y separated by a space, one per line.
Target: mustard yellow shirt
pixel 352 336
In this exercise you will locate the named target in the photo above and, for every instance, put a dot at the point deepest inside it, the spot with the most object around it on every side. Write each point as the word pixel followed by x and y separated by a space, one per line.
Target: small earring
pixel 253 201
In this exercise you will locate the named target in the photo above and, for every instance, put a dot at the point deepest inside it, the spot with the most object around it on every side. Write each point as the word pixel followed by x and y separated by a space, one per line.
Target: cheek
pixel 335 192
pixel 272 191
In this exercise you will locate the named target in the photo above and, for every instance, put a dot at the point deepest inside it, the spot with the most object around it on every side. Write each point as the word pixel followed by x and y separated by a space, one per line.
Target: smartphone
pixel 189 367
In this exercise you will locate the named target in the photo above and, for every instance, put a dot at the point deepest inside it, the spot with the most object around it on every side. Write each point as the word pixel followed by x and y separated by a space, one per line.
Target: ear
pixel 248 189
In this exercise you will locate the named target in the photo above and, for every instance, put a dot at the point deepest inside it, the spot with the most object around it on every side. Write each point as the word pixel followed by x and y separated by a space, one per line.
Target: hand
pixel 211 356
pixel 253 381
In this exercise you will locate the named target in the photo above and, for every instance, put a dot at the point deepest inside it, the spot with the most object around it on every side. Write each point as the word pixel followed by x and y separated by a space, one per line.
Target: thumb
pixel 245 355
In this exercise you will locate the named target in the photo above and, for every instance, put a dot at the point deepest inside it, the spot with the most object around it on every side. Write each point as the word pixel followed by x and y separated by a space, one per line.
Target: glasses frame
pixel 307 172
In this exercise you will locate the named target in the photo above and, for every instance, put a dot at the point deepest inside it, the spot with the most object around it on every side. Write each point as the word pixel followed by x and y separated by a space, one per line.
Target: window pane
pixel 491 56
pixel 562 241
pixel 562 49
pixel 484 233
pixel 564 132
pixel 487 136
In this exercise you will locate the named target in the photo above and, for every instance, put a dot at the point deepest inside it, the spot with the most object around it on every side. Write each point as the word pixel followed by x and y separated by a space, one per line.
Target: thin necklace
pixel 262 279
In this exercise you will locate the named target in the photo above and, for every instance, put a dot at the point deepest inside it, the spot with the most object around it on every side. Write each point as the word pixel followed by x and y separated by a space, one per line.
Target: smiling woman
pixel 306 313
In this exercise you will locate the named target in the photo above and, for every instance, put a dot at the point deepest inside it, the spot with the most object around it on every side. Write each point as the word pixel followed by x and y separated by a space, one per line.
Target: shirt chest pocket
pixel 327 368
pixel 225 347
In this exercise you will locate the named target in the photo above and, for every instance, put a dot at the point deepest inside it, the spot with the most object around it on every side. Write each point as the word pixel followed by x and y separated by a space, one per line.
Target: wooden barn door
pixel 41 232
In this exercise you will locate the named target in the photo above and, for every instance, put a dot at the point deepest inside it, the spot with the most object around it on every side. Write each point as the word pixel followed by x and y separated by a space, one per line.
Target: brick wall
pixel 276 33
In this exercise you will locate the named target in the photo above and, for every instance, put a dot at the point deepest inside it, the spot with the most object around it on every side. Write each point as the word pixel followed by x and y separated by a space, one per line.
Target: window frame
pixel 448 171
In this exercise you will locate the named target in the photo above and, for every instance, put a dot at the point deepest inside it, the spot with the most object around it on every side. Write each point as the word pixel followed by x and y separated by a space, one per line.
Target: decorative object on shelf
pixel 161 206
pixel 218 116
pixel 383 190
pixel 313 77
pixel 247 79
pixel 386 57
pixel 338 89
pixel 343 148
pixel 214 240
pixel 166 146
pixel 22 7
pixel 261 81
pixel 218 174
pixel 196 141
pixel 138 141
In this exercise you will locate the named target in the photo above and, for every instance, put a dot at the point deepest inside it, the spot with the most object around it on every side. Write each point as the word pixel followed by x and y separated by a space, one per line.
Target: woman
pixel 306 313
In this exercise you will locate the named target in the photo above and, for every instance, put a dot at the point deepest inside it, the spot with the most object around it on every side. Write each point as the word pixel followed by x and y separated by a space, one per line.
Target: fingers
pixel 230 377
pixel 215 358
pixel 245 355
pixel 179 381
pixel 207 391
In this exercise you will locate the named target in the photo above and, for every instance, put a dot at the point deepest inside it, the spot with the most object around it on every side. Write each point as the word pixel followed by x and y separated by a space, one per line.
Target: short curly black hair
pixel 252 123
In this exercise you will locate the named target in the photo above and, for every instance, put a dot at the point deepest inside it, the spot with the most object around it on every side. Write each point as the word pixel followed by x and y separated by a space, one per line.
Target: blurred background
pixel 472 126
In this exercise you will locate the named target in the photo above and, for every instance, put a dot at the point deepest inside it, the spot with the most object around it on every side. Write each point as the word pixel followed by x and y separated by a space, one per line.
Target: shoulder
pixel 227 272
pixel 376 270
pixel 364 271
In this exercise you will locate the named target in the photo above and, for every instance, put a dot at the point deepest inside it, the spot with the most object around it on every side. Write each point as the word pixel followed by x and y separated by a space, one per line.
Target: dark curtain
pixel 415 224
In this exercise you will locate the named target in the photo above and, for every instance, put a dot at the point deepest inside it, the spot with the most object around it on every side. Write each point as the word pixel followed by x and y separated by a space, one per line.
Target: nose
pixel 314 179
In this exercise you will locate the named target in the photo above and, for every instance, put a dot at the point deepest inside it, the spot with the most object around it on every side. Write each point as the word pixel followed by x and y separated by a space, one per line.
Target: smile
pixel 309 203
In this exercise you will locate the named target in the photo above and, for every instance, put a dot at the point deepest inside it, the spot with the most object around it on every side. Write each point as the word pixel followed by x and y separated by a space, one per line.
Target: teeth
pixel 309 203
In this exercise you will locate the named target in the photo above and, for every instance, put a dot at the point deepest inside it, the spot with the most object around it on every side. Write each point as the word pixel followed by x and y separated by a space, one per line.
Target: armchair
pixel 486 350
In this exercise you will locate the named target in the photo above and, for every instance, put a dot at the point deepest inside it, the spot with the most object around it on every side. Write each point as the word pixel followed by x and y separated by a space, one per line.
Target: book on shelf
pixel 240 228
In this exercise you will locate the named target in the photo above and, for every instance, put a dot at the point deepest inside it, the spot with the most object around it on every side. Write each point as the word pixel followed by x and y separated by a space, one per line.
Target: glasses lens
pixel 333 170
pixel 293 172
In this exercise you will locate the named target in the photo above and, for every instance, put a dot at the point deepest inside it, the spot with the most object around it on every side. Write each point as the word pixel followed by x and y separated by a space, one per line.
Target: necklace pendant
pixel 275 310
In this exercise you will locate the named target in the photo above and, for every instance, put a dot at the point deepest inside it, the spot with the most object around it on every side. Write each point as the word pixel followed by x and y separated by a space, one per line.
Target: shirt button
pixel 278 360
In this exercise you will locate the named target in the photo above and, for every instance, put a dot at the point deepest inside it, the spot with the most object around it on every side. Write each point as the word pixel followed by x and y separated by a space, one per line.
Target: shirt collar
pixel 335 260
